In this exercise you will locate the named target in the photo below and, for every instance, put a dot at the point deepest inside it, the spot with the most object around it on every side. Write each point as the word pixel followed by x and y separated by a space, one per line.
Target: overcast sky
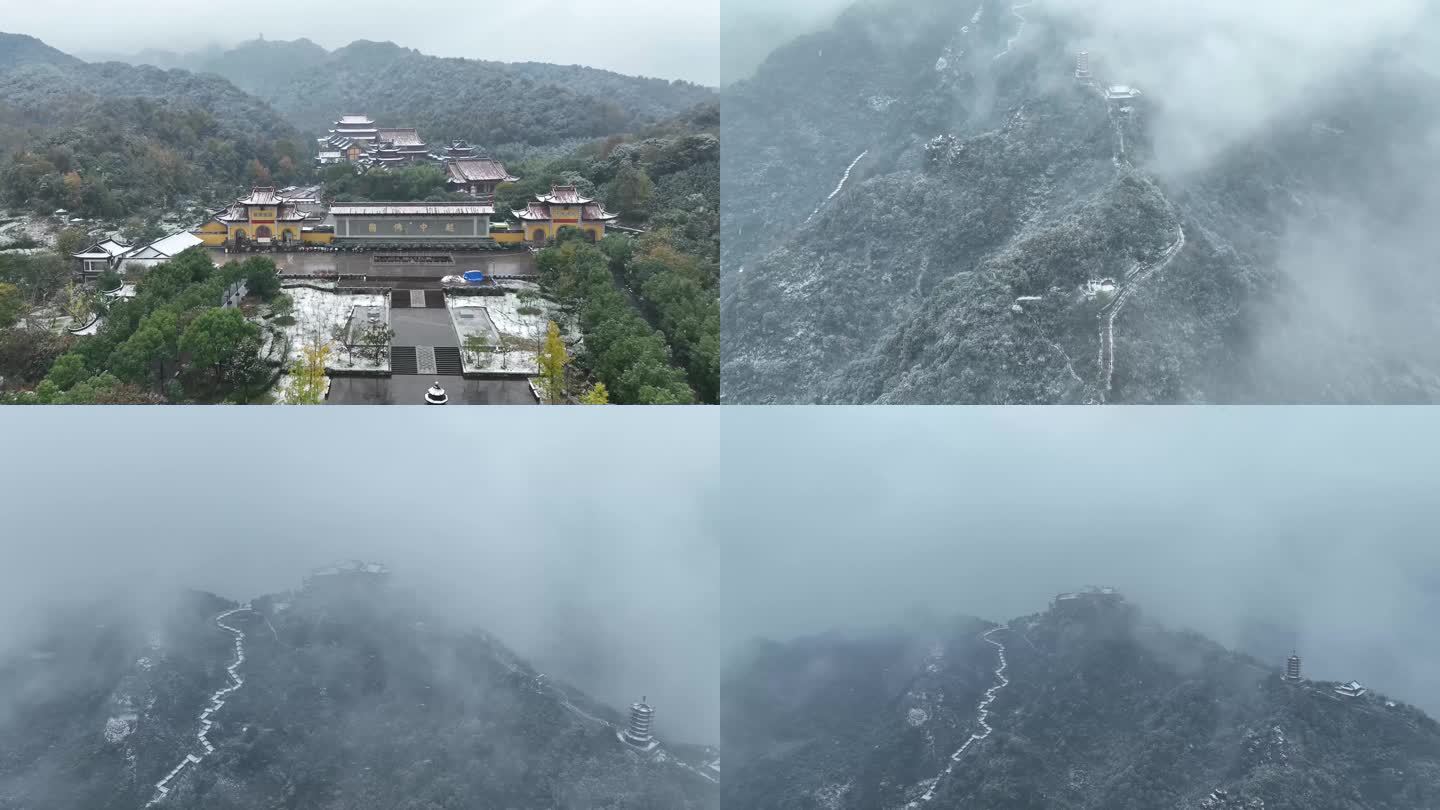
pixel 1262 528
pixel 639 37
pixel 578 541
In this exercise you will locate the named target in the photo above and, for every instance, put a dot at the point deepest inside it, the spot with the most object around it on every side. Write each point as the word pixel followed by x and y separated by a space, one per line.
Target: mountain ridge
pixel 401 86
pixel 1087 705
pixel 345 693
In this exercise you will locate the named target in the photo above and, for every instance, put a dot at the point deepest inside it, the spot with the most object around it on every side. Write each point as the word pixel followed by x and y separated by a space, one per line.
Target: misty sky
pixel 578 541
pixel 1263 528
pixel 1216 72
pixel 638 37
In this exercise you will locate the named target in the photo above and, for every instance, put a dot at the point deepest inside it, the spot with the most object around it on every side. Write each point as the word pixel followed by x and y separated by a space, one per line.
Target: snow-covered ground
pixel 321 314
pixel 41 229
pixel 498 318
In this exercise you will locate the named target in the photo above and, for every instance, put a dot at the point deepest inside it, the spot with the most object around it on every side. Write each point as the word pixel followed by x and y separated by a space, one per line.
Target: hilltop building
pixel 1352 689
pixel 1292 669
pixel 1122 93
pixel 563 207
pixel 1092 595
pixel 1082 67
pixel 638 734
pixel 349 570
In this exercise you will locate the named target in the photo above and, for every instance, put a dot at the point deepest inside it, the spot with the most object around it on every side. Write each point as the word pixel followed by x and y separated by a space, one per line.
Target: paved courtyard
pixel 410 390
pixel 422 327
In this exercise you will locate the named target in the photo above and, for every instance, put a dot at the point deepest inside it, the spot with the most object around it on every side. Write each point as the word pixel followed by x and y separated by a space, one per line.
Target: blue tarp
pixel 474 277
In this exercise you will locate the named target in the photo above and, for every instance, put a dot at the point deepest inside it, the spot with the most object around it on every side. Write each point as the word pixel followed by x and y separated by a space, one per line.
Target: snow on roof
pixel 402 137
pixel 175 243
pixel 381 209
pixel 1121 91
pixel 109 248
pixel 564 195
pixel 468 169
pixel 261 195
pixel 355 119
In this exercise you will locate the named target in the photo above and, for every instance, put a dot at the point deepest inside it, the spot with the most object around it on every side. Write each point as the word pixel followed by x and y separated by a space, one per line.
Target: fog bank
pixel 1263 528
pixel 578 541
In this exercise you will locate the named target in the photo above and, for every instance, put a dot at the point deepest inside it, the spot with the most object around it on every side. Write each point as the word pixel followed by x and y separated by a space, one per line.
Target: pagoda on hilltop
pixel 563 207
pixel 638 734
pixel 1292 669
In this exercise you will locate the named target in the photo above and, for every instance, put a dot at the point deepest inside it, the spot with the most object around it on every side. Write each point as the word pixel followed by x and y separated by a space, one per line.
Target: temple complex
pixel 563 207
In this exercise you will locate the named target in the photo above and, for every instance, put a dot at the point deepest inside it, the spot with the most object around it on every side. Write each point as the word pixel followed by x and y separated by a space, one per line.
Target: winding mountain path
pixel 982 716
pixel 1136 276
pixel 162 788
pixel 1010 44
pixel 844 177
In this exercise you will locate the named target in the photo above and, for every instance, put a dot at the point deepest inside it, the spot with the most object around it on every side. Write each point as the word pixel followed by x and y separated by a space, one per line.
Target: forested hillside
pixel 647 305
pixel 494 104
pixel 112 140
pixel 351 696
pixel 1086 706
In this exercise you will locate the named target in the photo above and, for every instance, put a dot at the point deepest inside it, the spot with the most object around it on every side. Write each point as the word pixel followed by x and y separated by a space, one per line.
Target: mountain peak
pixel 20 49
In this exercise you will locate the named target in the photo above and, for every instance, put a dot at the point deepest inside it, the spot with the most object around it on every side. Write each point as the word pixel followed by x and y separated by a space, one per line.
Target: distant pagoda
pixel 1082 67
pixel 1292 669
pixel 638 733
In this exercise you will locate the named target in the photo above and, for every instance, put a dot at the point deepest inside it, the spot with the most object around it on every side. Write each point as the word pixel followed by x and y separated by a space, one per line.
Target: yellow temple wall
pixel 508 237
pixel 314 238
